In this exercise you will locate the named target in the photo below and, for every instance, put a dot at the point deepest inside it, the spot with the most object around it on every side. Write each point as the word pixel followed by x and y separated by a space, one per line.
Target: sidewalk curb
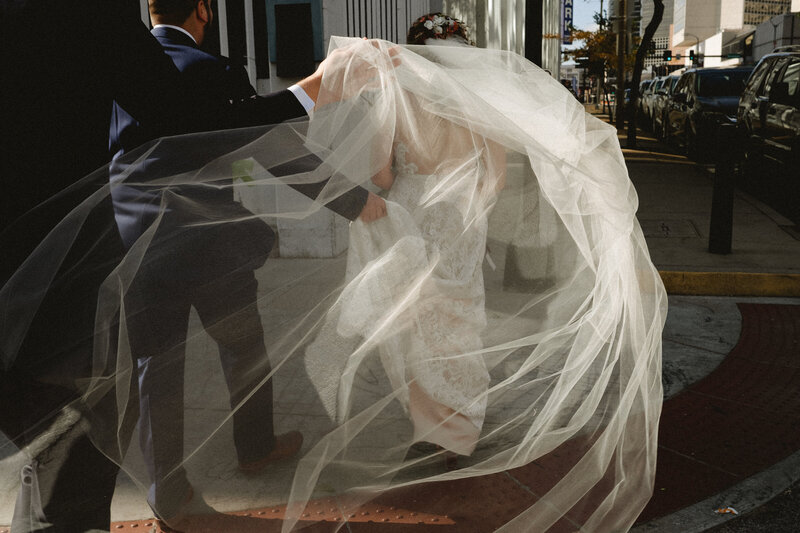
pixel 745 496
pixel 731 284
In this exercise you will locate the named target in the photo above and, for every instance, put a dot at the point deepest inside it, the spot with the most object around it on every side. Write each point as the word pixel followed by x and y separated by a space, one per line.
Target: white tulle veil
pixel 571 306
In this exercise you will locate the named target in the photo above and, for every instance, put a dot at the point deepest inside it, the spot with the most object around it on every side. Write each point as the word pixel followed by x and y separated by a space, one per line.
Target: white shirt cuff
pixel 302 97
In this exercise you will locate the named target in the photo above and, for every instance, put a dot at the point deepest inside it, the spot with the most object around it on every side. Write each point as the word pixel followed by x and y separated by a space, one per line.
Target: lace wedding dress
pixel 430 354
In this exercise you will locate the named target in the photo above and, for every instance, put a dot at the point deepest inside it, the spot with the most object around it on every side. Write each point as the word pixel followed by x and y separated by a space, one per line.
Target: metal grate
pixel 387 20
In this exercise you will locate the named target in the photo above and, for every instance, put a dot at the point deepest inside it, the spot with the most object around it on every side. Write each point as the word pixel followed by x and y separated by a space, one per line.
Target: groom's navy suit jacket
pixel 215 84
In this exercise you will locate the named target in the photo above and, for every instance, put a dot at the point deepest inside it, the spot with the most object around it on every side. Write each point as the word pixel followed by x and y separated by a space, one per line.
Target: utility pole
pixel 601 83
pixel 619 98
pixel 601 15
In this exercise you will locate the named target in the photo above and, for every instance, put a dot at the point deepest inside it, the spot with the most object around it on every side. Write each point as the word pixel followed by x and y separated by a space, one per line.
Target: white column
pixel 251 41
pixel 222 17
pixel 145 12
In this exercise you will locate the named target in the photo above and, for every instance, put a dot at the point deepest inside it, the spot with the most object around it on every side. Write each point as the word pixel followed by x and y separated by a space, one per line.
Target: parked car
pixel 647 103
pixel 660 105
pixel 702 99
pixel 643 88
pixel 768 123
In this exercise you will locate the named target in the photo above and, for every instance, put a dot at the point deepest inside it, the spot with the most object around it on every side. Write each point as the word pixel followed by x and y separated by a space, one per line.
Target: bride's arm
pixel 384 178
pixel 496 164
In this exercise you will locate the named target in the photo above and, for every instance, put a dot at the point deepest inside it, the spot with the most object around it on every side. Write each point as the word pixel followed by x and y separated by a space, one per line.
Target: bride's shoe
pixel 422 448
pixel 451 461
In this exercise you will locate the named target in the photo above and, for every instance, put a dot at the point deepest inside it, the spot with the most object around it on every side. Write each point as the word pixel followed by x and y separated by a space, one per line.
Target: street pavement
pixel 717 451
pixel 728 435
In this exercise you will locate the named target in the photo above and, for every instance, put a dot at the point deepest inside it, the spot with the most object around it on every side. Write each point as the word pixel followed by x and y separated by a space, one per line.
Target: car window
pixel 722 83
pixel 687 86
pixel 791 76
pixel 755 84
pixel 683 82
pixel 673 81
pixel 773 75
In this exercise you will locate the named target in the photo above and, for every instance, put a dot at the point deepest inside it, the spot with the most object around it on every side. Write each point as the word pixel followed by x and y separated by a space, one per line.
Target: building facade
pixel 662 36
pixel 719 27
pixel 500 24
pixel 281 41
pixel 758 11
pixel 781 30
pixel 250 32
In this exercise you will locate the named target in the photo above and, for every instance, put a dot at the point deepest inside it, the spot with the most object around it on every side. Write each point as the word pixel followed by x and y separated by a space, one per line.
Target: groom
pixel 206 271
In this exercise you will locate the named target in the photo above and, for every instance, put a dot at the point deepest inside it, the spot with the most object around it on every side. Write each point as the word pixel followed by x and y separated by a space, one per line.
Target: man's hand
pixel 362 73
pixel 312 83
pixel 374 209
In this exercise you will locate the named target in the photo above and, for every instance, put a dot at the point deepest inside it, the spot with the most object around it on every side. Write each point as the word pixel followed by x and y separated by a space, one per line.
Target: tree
pixel 641 52
pixel 599 47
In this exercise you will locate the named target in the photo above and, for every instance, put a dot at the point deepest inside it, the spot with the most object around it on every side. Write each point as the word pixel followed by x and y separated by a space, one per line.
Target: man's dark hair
pixel 173 11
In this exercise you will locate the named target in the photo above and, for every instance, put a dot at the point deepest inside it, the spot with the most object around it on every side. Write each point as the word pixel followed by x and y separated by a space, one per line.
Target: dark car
pixel 703 99
pixel 768 122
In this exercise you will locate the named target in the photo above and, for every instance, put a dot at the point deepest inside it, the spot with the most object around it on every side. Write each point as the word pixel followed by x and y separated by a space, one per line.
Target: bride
pixel 442 180
pixel 540 360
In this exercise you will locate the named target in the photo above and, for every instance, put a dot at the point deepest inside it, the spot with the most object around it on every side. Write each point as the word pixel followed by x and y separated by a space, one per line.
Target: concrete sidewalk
pixel 674 211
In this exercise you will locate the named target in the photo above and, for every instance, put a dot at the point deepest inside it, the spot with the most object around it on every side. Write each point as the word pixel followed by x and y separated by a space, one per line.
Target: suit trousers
pixel 158 328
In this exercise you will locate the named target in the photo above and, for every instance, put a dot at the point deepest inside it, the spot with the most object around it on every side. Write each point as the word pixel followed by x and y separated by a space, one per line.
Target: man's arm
pixel 350 204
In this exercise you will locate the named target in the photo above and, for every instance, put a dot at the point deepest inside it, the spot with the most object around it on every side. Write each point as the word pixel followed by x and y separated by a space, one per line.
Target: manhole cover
pixel 669 228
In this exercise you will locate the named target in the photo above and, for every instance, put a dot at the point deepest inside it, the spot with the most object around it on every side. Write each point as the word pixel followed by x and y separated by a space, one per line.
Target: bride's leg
pixel 435 422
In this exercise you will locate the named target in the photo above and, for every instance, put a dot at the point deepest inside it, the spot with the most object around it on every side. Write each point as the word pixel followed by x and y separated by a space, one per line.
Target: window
pixel 791 77
pixel 754 84
pixel 673 81
pixel 722 83
pixel 684 84
pixel 773 75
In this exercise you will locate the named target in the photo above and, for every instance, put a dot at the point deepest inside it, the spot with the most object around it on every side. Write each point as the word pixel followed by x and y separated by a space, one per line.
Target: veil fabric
pixel 505 309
